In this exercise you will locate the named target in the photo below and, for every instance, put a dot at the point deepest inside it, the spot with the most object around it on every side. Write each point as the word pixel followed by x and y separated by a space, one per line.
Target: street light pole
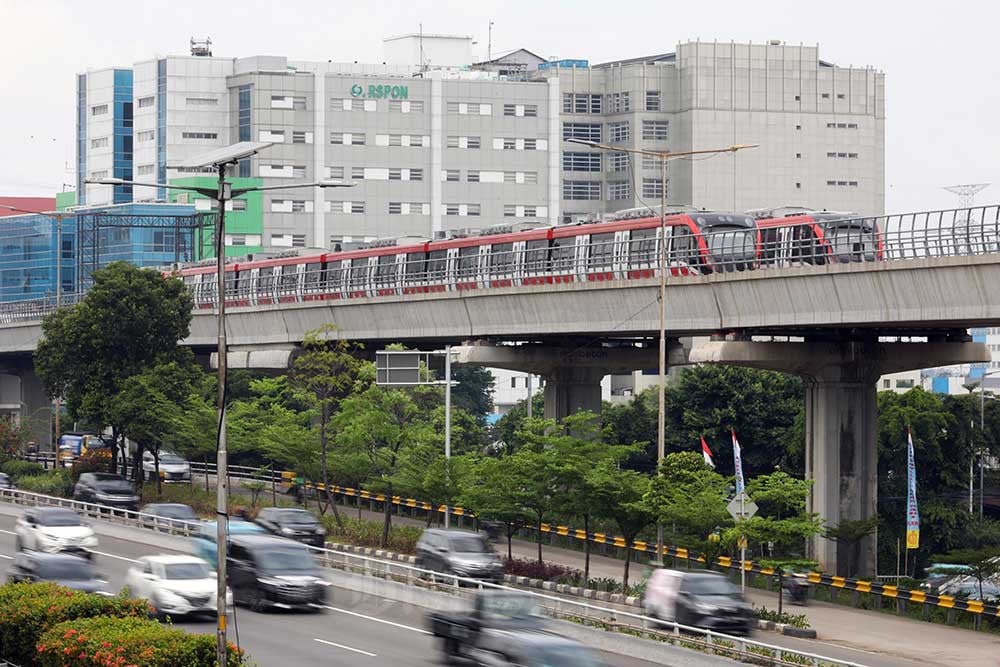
pixel 447 427
pixel 662 156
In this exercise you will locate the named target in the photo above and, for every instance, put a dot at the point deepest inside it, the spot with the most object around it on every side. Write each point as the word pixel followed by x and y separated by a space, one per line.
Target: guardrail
pixel 857 586
pixel 557 607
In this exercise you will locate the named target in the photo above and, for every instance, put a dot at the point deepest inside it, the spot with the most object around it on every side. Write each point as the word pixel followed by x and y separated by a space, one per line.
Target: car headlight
pixel 704 608
pixel 320 530
pixel 286 530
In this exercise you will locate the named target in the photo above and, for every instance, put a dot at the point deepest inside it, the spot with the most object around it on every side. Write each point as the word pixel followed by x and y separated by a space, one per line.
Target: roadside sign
pixel 742 507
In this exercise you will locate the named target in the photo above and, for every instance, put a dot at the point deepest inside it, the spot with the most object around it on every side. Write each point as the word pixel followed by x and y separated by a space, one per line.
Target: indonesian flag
pixel 707 453
pixel 738 463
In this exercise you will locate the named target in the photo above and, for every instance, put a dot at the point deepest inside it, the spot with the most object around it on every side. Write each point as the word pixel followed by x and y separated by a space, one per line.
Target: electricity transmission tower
pixel 966 193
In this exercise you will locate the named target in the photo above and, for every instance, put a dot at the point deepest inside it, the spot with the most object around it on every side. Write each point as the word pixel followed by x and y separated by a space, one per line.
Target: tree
pixel 13 437
pixel 849 533
pixel 506 428
pixel 382 424
pixel 621 494
pixel 426 474
pixel 329 372
pixel 130 320
pixel 495 493
pixel 473 391
pixel 689 498
pixel 983 564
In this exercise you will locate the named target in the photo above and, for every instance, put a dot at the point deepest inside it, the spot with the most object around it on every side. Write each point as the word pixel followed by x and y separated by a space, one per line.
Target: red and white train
pixel 625 247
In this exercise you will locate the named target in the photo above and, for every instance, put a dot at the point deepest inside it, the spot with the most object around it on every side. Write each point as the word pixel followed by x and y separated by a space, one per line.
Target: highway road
pixel 352 629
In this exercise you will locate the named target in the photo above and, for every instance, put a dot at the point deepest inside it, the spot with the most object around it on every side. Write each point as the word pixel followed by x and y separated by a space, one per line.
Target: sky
pixel 940 61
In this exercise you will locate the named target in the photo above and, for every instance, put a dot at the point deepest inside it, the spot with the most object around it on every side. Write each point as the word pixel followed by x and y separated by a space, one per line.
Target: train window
pixel 359 273
pixel 769 242
pixel 602 250
pixel 230 283
pixel 437 265
pixel 266 280
pixel 562 254
pixel 313 277
pixel 288 279
pixel 536 256
pixel 468 262
pixel 684 248
pixel 642 248
pixel 501 259
pixel 804 244
pixel 335 276
pixel 415 268
pixel 385 270
pixel 188 280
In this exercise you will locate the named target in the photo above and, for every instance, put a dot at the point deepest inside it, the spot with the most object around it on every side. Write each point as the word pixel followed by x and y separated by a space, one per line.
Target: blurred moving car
pixel 266 571
pixel 698 598
pixel 54 530
pixel 505 628
pixel 105 488
pixel 177 585
pixel 169 515
pixel 203 541
pixel 6 482
pixel 460 553
pixel 294 523
pixel 967 588
pixel 63 569
pixel 939 574
pixel 173 468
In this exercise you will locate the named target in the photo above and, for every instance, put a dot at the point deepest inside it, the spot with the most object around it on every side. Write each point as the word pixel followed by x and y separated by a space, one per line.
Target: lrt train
pixel 624 247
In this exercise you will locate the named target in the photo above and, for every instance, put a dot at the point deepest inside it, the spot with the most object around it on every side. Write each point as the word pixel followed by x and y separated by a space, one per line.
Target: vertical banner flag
pixel 707 453
pixel 737 463
pixel 912 513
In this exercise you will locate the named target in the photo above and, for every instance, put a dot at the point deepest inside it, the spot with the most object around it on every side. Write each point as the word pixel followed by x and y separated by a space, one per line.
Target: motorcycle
pixel 795 590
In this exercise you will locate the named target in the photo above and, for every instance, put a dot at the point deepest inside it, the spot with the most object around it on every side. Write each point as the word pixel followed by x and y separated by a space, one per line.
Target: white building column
pixel 437 151
pixel 555 151
pixel 319 239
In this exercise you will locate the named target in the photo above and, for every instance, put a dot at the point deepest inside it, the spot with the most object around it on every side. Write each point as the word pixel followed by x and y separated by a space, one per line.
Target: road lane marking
pixel 377 620
pixel 346 648
pixel 129 560
pixel 6 556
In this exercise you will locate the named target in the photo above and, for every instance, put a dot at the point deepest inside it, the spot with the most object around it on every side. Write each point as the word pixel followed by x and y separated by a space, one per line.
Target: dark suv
pixel 266 571
pixel 297 524
pixel 458 552
pixel 105 488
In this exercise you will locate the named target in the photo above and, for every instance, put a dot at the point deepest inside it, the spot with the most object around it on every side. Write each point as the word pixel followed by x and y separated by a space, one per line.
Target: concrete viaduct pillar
pixel 23 398
pixel 840 404
pixel 572 375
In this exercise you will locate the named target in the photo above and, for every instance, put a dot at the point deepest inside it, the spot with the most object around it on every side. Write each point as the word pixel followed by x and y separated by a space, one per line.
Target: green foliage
pixel 689 497
pixel 402 538
pixel 18 469
pixel 13 437
pixel 113 642
pixel 52 483
pixel 794 620
pixel 473 392
pixel 130 319
pixel 621 495
pixel 91 461
pixel 507 427
pixel 276 422
pixel 27 611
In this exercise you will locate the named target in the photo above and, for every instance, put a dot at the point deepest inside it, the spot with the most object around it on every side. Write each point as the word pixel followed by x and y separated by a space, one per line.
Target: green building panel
pixel 64 200
pixel 245 219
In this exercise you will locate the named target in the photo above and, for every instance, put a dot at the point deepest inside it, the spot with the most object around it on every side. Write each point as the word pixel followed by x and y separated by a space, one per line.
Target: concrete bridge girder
pixel 841 413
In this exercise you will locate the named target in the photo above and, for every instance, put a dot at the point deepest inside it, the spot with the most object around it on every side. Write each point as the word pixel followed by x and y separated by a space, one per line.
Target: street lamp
pixel 219 160
pixel 662 156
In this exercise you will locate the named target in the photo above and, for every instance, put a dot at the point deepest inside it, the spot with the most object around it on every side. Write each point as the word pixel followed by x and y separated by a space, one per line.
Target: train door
pixel 312 281
pixel 466 267
pixel 599 257
pixel 357 278
pixel 385 278
pixel 286 280
pixel 536 261
pixel 437 270
pixel 338 274
pixel 620 258
pixel 642 252
pixel 501 264
pixel 563 259
pixel 414 272
pixel 806 248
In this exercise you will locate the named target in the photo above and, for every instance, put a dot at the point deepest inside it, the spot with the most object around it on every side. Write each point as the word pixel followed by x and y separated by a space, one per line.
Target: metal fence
pixel 555 606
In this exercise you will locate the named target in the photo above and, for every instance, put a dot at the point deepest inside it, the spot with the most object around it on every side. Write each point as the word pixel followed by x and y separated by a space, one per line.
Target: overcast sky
pixel 940 60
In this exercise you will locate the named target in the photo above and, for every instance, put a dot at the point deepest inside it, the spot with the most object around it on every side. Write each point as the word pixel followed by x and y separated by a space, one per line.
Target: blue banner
pixel 738 464
pixel 912 512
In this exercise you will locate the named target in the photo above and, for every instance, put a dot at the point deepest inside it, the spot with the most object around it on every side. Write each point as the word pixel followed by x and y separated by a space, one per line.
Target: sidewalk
pixel 875 633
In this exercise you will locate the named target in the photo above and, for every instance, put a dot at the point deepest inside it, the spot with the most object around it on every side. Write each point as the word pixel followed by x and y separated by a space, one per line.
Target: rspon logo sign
pixel 380 91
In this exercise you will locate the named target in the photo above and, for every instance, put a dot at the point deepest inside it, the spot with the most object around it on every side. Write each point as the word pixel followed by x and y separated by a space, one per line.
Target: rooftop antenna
pixel 489 43
pixel 423 64
pixel 201 47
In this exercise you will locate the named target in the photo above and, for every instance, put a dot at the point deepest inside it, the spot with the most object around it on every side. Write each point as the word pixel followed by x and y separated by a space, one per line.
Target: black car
pixel 6 482
pixel 458 552
pixel 104 488
pixel 63 569
pixel 169 516
pixel 273 572
pixel 297 524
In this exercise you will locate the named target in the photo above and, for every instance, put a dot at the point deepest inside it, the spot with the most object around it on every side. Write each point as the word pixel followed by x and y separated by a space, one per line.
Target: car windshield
pixel 296 516
pixel 467 544
pixel 110 482
pixel 509 606
pixel 562 656
pixel 172 459
pixel 285 560
pixel 59 518
pixel 731 243
pixel 710 585
pixel 173 512
pixel 66 569
pixel 185 571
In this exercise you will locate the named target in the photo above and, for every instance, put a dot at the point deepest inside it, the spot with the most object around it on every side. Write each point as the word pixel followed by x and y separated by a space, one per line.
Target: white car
pixel 173 468
pixel 176 585
pixel 54 530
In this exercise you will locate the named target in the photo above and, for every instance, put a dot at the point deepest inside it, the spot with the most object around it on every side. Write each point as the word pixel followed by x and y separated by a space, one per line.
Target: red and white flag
pixel 707 453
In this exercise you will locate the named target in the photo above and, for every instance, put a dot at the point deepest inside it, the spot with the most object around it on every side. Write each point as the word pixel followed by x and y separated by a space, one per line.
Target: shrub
pixel 522 567
pixel 18 469
pixel 95 460
pixel 794 620
pixel 114 642
pixel 28 610
pixel 402 539
pixel 52 483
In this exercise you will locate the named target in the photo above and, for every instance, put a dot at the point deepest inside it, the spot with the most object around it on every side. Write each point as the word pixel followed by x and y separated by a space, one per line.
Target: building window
pixel 798 98
pixel 395 174
pixel 652 187
pixel 298 171
pixel 618 102
pixel 464 142
pixel 406 106
pixel 145 102
pixel 852 155
pixel 825 96
pixel 582 190
pixel 798 155
pixel 462 209
pixel 528 110
pixel 472 176
pixel 652 100
pixel 530 144
pixel 509 144
pixel 618 132
pixel 201 101
pixel 654 130
pixel 334 172
pixel 357 173
pixel 452 175
pixel 98 175
pixel 145 169
pixel 238 204
pixel 840 96
pixel 199 135
pixel 100 142
pixel 650 162
pixel 395 208
pixel 99 110
pixel 288 102
pixel 618 190
pixel 581 161
pixel 581 103
pixel 473 108
pixel 146 135
pixel 618 162
pixel 582 131
pixel 301 137
pixel 798 186
pixel 473 209
pixel 347 138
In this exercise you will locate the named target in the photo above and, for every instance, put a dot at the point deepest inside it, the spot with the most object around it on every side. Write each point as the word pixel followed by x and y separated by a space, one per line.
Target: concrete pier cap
pixel 841 410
